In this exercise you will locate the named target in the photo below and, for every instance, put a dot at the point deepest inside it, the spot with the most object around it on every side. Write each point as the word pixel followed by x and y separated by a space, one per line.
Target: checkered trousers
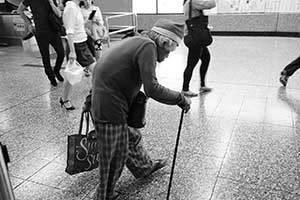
pixel 118 145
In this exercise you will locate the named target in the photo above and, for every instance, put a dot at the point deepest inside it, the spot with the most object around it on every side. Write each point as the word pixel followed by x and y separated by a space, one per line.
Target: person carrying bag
pixel 197 37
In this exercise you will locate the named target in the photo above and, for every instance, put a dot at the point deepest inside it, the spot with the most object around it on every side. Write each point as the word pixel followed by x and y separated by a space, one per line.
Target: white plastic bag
pixel 30 46
pixel 73 72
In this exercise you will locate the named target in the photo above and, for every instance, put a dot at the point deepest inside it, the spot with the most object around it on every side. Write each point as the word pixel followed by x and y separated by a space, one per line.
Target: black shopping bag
pixel 82 149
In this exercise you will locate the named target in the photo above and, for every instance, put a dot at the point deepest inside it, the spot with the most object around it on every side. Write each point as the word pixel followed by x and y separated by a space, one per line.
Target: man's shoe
pixel 205 89
pixel 283 80
pixel 28 36
pixel 157 164
pixel 53 82
pixel 59 76
pixel 189 93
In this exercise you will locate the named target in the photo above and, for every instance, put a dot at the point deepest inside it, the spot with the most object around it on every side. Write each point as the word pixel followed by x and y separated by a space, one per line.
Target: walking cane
pixel 175 153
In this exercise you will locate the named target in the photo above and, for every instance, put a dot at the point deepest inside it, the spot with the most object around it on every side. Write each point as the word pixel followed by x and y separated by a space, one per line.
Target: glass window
pixel 223 6
pixel 167 6
pixel 144 6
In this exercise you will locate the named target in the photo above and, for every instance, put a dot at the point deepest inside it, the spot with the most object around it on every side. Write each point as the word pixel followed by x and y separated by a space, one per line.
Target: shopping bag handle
pixel 84 115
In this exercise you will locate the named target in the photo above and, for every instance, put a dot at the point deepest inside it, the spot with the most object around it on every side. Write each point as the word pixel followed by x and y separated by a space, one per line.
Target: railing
pixel 119 28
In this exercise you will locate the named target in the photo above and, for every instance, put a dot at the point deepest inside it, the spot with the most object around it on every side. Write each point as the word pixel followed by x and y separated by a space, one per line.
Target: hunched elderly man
pixel 117 78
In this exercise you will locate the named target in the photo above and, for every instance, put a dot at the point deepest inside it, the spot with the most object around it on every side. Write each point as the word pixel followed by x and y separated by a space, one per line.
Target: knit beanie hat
pixel 169 28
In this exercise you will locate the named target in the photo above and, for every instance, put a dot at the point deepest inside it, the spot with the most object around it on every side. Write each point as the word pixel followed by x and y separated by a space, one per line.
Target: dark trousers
pixel 44 39
pixel 292 67
pixel 194 55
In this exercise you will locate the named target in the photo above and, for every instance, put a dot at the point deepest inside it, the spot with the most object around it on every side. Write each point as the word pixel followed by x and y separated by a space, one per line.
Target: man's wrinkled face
pixel 163 52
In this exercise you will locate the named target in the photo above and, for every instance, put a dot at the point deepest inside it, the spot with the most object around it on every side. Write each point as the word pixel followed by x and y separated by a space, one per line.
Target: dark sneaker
pixel 28 36
pixel 59 76
pixel 53 82
pixel 283 80
pixel 157 164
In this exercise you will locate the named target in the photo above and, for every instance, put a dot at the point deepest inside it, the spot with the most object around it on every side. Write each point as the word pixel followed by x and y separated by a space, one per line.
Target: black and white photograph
pixel 149 100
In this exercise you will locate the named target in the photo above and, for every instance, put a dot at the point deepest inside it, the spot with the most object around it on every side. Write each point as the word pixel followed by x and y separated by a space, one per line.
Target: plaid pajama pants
pixel 119 145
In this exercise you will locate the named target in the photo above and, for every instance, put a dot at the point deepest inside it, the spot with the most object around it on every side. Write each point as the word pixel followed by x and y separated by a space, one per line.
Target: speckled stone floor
pixel 241 141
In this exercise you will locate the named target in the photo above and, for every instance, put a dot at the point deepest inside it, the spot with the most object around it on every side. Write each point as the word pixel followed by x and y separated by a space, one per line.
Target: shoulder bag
pixel 137 111
pixel 198 33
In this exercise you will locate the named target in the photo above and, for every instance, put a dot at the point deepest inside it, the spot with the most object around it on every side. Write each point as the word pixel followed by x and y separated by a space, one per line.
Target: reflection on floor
pixel 241 141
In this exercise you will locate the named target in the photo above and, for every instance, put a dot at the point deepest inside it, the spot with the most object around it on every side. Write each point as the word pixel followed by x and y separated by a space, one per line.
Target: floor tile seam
pixel 12 176
pixel 210 155
pixel 246 84
pixel 281 125
pixel 5 132
pixel 265 109
pixel 293 116
pixel 263 142
pixel 10 130
pixel 88 193
pixel 223 160
pixel 27 136
pixel 240 109
pixel 27 154
pixel 38 183
pixel 214 113
pixel 25 101
pixel 22 157
pixel 50 160
pixel 260 187
pixel 28 178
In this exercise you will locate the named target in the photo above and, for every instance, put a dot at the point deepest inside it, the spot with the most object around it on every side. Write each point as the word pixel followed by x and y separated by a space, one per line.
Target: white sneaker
pixel 189 93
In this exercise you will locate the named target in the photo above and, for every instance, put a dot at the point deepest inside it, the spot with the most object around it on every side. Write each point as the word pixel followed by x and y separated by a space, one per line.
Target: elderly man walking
pixel 117 79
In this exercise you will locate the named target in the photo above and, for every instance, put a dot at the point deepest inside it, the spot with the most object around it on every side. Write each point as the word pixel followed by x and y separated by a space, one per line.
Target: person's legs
pixel 56 42
pixel 92 66
pixel 139 162
pixel 113 150
pixel 192 60
pixel 43 44
pixel 205 60
pixel 85 59
pixel 97 54
pixel 65 99
pixel 67 87
pixel 289 70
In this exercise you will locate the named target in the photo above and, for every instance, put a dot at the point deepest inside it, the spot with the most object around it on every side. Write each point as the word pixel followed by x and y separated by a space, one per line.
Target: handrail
pixel 122 28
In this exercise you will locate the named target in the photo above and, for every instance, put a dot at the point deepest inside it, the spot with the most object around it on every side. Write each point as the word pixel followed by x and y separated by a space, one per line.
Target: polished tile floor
pixel 241 141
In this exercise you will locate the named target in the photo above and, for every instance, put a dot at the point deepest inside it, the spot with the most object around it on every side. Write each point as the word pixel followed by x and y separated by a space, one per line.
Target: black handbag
pixel 137 111
pixel 82 153
pixel 198 33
